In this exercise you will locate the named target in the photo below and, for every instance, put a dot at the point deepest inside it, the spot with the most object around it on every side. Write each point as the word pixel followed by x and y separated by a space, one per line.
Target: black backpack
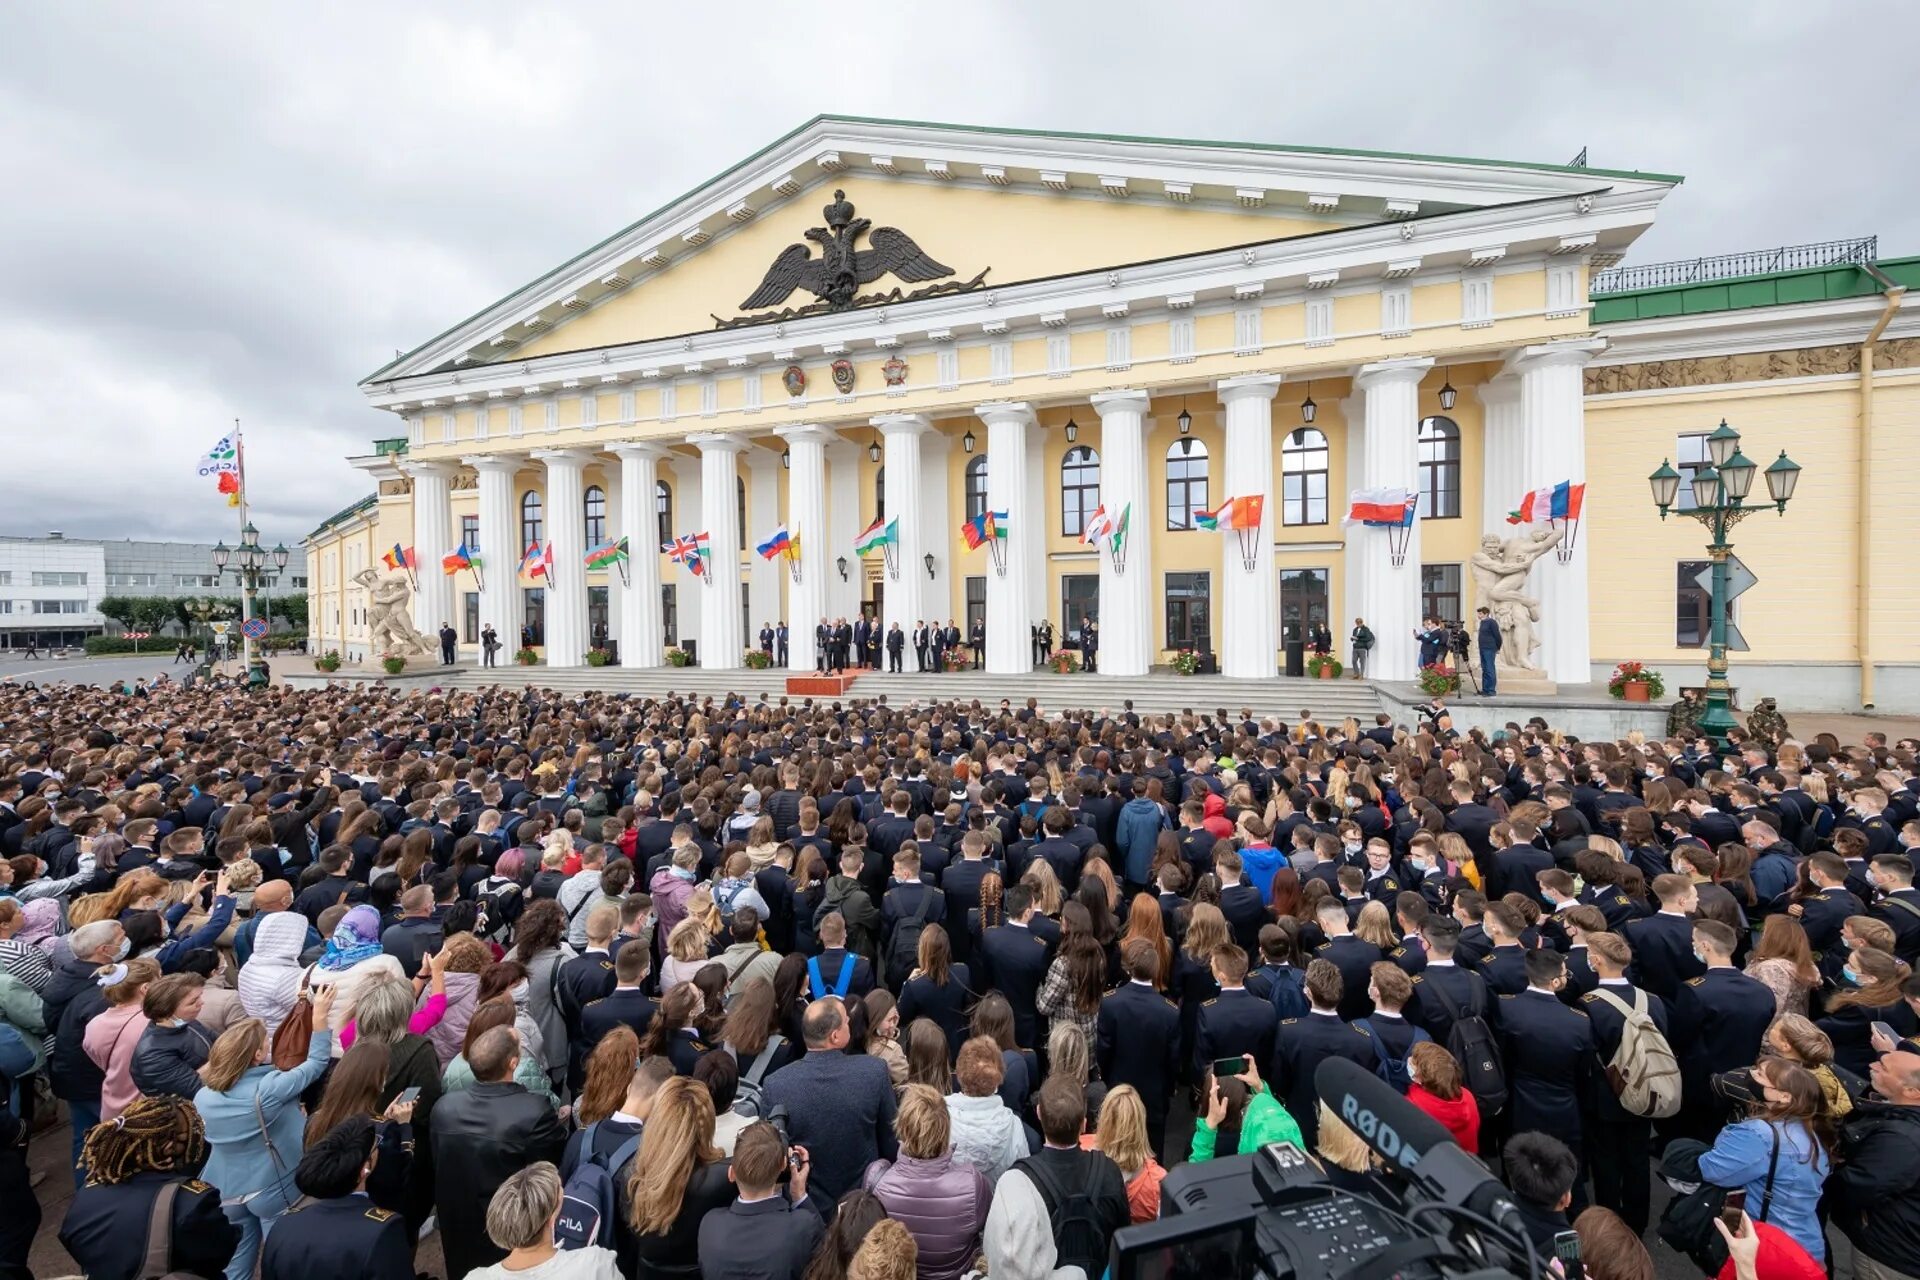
pixel 903 953
pixel 1471 1042
pixel 1080 1236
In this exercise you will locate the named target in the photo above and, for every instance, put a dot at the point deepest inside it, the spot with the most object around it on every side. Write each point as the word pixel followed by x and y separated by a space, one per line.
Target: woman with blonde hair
pixel 251 1111
pixel 941 1201
pixel 687 953
pixel 1122 1135
pixel 521 1218
pixel 1375 925
pixel 1045 885
pixel 678 1176
pixel 1192 984
pixel 114 1033
pixel 1794 1037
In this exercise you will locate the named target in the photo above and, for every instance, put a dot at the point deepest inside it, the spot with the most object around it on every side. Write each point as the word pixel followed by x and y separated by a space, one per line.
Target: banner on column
pixel 1389 509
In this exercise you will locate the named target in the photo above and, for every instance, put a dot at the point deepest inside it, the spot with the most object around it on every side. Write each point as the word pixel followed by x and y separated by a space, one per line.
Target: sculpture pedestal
pixel 1525 684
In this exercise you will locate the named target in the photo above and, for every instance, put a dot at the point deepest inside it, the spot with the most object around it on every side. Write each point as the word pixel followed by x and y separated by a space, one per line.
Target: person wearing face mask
pixel 73 997
pixel 1897 903
pixel 253 1121
pixel 175 1044
pixel 1719 1021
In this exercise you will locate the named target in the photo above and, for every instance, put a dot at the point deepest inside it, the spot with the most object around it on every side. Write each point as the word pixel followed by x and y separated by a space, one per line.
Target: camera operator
pixel 763 1235
pixel 1436 718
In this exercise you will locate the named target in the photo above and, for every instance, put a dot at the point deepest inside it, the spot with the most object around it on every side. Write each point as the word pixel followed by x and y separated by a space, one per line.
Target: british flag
pixel 689 549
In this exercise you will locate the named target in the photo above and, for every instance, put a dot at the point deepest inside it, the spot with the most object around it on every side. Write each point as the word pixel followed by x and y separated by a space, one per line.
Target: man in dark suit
pixel 766 639
pixel 1720 1020
pixel 1236 1021
pixel 1487 639
pixel 1470 821
pixel 1663 958
pixel 447 638
pixel 1090 643
pixel 1353 957
pixel 1444 989
pixel 1618 1142
pixel 1898 904
pixel 950 638
pixel 780 639
pixel 862 632
pixel 822 646
pixel 335 1232
pixel 1827 908
pixel 625 1006
pixel 1240 902
pixel 1137 1038
pixel 1014 961
pixel 896 647
pixel 481 1137
pixel 1302 1044
pixel 769 1232
pixel 1548 1047
pixel 977 640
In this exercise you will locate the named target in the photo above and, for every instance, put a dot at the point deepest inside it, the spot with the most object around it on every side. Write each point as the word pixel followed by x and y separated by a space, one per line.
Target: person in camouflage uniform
pixel 1683 715
pixel 1766 723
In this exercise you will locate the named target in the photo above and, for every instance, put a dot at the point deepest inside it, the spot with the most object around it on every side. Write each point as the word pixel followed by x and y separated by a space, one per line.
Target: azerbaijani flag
pixel 781 543
pixel 458 559
pixel 606 554
pixel 877 537
pixel 1118 539
pixel 400 558
pixel 1382 507
pixel 1099 525
pixel 1561 501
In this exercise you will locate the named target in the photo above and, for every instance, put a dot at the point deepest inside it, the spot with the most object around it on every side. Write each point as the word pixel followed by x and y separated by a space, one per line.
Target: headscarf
pixel 270 979
pixel 355 938
pixel 39 923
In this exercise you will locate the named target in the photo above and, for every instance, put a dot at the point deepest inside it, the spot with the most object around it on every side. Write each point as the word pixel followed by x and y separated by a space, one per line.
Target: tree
pixel 120 609
pixel 152 613
pixel 291 607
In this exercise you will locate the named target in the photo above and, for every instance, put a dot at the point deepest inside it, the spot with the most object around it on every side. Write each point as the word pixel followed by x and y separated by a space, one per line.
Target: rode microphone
pixel 1412 1143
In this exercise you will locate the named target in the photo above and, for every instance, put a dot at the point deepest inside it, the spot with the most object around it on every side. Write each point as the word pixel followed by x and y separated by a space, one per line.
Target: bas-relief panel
pixel 1758 366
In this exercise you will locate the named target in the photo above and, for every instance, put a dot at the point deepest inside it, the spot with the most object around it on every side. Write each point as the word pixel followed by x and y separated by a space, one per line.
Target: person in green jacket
pixel 1243 1099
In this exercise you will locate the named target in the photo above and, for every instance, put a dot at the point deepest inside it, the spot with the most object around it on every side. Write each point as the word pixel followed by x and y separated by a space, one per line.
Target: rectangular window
pixel 133 579
pixel 59 606
pixel 1186 482
pixel 196 579
pixel 669 617
pixel 976 603
pixel 1396 312
pixel 535 631
pixel 1693 606
pixel 1690 456
pixel 46 578
pixel 470 621
pixel 6 606
pixel 1440 592
pixel 1319 322
pixel 1246 331
pixel 1059 355
pixel 1079 601
pixel 1476 301
pixel 1189 604
pixel 1180 340
pixel 300 582
pixel 596 615
pixel 6 577
pixel 470 534
pixel 1304 599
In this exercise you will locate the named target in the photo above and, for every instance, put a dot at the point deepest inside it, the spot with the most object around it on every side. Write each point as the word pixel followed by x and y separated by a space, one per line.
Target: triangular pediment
pixel 953 208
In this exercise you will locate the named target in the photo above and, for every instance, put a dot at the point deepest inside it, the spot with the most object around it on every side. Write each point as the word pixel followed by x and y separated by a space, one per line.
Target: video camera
pixel 1437 1213
pixel 1456 637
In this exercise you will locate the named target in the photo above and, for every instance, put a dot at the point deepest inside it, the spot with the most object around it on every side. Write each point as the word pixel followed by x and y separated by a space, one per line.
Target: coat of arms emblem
pixel 794 380
pixel 895 372
pixel 843 375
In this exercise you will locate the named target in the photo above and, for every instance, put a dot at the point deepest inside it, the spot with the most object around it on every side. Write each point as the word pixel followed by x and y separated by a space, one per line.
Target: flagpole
pixel 246 583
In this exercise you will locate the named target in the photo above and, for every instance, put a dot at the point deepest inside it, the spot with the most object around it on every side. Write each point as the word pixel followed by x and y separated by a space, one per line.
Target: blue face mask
pixel 1850 976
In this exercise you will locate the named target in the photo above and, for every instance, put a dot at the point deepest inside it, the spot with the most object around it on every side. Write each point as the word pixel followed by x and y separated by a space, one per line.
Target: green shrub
pixel 96 645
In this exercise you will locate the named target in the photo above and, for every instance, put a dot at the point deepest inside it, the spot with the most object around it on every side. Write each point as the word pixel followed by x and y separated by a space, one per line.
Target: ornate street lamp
pixel 786 459
pixel 928 561
pixel 1185 419
pixel 967 441
pixel 249 564
pixel 1720 489
pixel 1447 395
pixel 873 450
pixel 1073 429
pixel 1307 407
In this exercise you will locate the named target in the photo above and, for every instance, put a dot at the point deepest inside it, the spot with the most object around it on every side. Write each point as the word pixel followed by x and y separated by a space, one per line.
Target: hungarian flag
pixel 1118 541
pixel 877 537
pixel 456 560
pixel 1562 501
pixel 1382 507
pixel 780 543
pixel 1099 525
pixel 606 554
pixel 400 558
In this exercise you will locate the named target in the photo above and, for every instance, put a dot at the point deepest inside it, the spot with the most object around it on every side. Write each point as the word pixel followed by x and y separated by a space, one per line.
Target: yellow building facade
pixel 916 324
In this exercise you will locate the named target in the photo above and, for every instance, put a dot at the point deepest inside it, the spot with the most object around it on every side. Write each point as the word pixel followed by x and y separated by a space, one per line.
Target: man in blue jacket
pixel 1137 832
pixel 1488 638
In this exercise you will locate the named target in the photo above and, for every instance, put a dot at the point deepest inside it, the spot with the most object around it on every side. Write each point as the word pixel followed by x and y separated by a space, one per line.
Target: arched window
pixel 663 505
pixel 1439 469
pixel 879 493
pixel 1079 489
pixel 740 495
pixel 596 504
pixel 533 525
pixel 976 486
pixel 1186 481
pixel 1303 478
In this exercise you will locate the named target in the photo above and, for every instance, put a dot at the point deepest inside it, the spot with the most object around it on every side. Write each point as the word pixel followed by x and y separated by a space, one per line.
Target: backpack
pixel 848 961
pixel 1392 1070
pixel 1080 1237
pixel 1471 1042
pixel 903 953
pixel 1644 1073
pixel 746 1098
pixel 1287 990
pixel 590 1201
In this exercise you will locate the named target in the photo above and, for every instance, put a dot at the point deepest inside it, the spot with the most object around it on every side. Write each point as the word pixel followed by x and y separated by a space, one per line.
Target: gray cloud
pixel 219 211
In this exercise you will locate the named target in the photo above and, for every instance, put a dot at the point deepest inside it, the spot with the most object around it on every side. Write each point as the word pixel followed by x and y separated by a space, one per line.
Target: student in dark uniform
pixel 1720 1020
pixel 1445 989
pixel 1302 1044
pixel 1663 958
pixel 1014 962
pixel 1548 1049
pixel 1236 1021
pixel 627 1005
pixel 153 1149
pixel 335 1232
pixel 1823 912
pixel 1505 967
pixel 1353 957
pixel 582 980
pixel 1137 1037
pixel 1898 903
pixel 781 639
pixel 1618 1142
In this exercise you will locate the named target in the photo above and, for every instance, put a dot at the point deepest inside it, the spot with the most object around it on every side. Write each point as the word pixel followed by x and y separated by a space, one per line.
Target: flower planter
pixel 1636 691
pixel 1326 673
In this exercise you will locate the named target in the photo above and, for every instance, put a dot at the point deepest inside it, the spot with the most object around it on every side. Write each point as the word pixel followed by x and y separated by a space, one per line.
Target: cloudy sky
pixel 215 211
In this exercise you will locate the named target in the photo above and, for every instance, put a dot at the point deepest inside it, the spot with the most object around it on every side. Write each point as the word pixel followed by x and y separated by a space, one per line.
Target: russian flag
pixel 1381 507
pixel 775 545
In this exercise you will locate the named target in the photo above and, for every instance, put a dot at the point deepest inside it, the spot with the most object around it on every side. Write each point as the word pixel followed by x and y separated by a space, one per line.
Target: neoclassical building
pixel 916 324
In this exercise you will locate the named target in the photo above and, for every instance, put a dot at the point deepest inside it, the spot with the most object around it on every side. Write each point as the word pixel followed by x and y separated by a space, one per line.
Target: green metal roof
pixel 1767 289
pixel 340 517
pixel 783 139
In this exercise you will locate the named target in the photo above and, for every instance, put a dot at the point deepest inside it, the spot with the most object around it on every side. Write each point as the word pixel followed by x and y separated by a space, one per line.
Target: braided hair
pixel 162 1134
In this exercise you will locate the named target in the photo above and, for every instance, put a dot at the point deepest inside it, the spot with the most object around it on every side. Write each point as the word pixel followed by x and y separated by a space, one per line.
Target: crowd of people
pixel 583 983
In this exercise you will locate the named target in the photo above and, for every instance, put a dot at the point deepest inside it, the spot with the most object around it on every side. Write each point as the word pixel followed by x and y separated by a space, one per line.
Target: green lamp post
pixel 1720 490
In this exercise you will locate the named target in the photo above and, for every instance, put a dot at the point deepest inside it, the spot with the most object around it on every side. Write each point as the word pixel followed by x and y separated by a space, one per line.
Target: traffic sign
pixel 221 628
pixel 255 628
pixel 138 635
pixel 1739 580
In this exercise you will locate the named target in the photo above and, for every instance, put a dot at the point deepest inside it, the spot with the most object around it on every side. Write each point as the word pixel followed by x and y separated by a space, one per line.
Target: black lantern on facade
pixel 786 459
pixel 1073 429
pixel 1185 419
pixel 967 441
pixel 873 450
pixel 1308 409
pixel 1448 395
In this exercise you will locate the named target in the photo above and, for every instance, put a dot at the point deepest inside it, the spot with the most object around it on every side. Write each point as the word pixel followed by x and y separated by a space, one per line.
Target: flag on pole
pixel 531 563
pixel 400 558
pixel 1099 525
pixel 877 537
pixel 1221 517
pixel 223 458
pixel 1563 501
pixel 606 555
pixel 779 543
pixel 1247 511
pixel 456 560
pixel 974 531
pixel 1117 539
pixel 689 549
pixel 1382 507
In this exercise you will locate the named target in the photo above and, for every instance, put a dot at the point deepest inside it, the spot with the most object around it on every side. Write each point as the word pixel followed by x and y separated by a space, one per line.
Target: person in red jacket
pixel 1436 1089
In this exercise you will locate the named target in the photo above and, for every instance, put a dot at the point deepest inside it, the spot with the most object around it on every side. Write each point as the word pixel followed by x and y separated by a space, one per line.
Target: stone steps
pixel 1158 693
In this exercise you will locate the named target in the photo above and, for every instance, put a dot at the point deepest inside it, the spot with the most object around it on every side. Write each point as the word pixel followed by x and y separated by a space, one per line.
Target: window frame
pixel 663 510
pixel 533 519
pixel 593 496
pixel 1185 453
pixel 1432 598
pixel 1439 467
pixel 1296 462
pixel 1305 602
pixel 974 487
pixel 1203 578
pixel 1079 495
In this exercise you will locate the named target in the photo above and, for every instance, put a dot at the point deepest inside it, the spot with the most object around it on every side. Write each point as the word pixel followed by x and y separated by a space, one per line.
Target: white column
pixel 721 641
pixel 610 484
pixel 807 521
pixel 1554 429
pixel 1353 558
pixel 1040 499
pixel 498 552
pixel 432 534
pixel 936 535
pixel 1010 612
pixel 1249 641
pixel 905 599
pixel 566 588
pixel 763 514
pixel 843 595
pixel 640 622
pixel 1126 600
pixel 689 514
pixel 1503 468
pixel 1389 593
